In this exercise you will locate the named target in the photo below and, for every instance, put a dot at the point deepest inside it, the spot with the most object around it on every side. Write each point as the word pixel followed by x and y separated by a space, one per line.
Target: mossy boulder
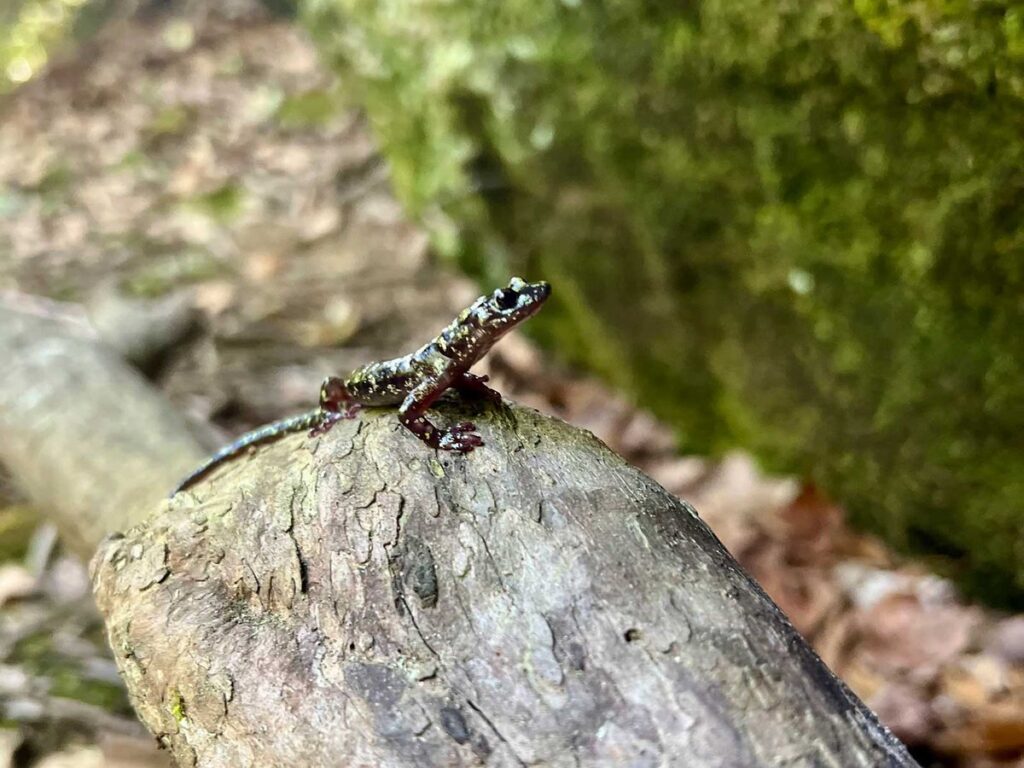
pixel 795 227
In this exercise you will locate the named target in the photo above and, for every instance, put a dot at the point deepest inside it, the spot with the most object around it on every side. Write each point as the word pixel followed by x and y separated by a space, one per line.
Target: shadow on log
pixel 360 600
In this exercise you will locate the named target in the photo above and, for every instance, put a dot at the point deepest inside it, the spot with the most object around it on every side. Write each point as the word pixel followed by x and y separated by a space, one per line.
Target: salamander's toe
pixel 327 421
pixel 462 438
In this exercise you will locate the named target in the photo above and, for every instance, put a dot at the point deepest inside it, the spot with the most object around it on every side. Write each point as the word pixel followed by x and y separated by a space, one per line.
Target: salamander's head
pixel 489 318
pixel 509 306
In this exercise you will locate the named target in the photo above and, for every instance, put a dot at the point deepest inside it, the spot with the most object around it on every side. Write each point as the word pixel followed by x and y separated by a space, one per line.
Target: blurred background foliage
pixel 29 30
pixel 33 31
pixel 793 227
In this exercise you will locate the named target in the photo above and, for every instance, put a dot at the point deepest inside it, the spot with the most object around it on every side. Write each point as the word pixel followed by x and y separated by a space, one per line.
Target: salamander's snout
pixel 528 292
pixel 509 306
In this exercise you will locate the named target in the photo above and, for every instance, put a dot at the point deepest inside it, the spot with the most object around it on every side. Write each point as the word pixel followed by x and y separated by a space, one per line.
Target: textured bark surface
pixel 86 437
pixel 360 600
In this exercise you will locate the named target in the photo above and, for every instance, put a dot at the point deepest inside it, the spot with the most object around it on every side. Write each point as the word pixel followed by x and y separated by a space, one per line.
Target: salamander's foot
pixel 462 438
pixel 471 385
pixel 329 418
pixel 334 395
pixel 326 422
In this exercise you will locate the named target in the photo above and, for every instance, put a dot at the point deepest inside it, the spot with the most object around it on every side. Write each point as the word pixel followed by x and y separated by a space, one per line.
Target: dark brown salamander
pixel 413 382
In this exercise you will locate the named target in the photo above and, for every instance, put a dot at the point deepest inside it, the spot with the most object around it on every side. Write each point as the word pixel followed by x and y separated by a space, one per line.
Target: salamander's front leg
pixel 462 437
pixel 475 386
pixel 335 404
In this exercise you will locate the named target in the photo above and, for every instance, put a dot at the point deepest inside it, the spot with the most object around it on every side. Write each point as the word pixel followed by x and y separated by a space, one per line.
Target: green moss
pixel 55 182
pixel 789 227
pixel 29 31
pixel 310 109
pixel 158 273
pixel 177 702
pixel 17 524
pixel 169 121
pixel 132 160
pixel 223 204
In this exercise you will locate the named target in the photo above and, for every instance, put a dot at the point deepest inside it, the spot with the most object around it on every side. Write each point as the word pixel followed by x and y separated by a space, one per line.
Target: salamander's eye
pixel 506 299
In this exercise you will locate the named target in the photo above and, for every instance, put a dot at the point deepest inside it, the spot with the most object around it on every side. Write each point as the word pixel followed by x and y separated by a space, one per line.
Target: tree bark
pixel 359 600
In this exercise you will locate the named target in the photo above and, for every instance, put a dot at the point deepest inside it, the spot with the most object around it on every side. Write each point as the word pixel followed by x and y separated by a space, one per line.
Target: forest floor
pixel 202 165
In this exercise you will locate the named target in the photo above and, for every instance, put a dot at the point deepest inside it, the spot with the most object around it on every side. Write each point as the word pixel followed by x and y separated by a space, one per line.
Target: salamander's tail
pixel 265 434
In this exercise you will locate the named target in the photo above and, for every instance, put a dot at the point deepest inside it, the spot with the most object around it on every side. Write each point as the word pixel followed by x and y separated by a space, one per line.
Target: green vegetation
pixel 310 109
pixel 29 29
pixel 37 656
pixel 159 272
pixel 223 204
pixel 17 524
pixel 177 706
pixel 170 121
pixel 794 227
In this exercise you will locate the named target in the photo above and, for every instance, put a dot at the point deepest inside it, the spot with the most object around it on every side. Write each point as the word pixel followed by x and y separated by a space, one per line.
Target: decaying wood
pixel 86 437
pixel 360 600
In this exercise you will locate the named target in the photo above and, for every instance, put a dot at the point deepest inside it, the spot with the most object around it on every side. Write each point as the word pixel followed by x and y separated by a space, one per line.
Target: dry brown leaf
pixel 906 711
pixel 995 729
pixel 1006 639
pixel 901 634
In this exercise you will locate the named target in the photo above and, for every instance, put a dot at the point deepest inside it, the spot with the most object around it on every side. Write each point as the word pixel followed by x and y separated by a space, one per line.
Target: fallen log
pixel 357 599
pixel 88 440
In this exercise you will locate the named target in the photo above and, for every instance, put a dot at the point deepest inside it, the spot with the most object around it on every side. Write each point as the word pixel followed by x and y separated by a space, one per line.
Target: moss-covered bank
pixel 791 226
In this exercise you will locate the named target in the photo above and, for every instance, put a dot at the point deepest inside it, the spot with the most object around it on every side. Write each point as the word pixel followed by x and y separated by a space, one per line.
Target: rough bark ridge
pixel 360 600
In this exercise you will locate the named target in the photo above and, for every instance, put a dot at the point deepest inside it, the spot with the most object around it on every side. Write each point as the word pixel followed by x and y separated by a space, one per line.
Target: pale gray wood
pixel 88 440
pixel 361 600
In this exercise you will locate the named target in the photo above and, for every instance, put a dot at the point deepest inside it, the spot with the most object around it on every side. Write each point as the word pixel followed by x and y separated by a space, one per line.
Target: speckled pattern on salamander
pixel 412 382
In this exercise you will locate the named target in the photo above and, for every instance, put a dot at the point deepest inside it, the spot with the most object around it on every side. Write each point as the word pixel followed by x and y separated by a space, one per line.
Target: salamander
pixel 412 382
